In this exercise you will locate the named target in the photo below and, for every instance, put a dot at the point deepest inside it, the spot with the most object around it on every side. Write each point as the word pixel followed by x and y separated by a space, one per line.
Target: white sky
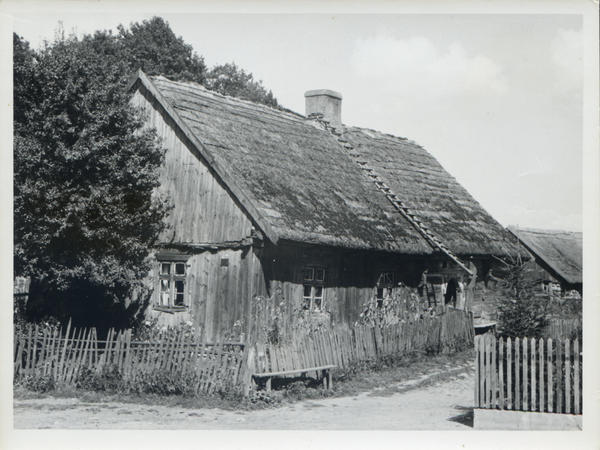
pixel 497 99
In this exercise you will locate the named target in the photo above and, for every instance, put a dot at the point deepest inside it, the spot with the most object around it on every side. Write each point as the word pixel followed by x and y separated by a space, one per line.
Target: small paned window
pixel 314 283
pixel 172 279
pixel 385 286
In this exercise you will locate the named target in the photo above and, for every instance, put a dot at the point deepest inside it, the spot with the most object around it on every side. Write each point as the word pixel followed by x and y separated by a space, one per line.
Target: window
pixel 314 281
pixel 172 281
pixel 385 285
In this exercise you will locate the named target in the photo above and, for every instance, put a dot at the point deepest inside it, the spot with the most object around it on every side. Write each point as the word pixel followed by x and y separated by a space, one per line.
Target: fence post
pixel 550 381
pixel 501 373
pixel 576 390
pixel 477 372
pixel 509 366
pixel 525 365
pixel 494 374
pixel 517 374
pixel 541 365
pixel 568 376
pixel 559 376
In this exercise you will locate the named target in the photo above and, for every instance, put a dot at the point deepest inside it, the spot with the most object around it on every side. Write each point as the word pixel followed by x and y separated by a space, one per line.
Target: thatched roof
pixel 299 182
pixel 560 252
pixel 442 205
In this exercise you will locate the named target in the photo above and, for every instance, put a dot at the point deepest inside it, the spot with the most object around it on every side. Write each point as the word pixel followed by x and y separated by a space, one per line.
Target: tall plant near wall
pixel 520 312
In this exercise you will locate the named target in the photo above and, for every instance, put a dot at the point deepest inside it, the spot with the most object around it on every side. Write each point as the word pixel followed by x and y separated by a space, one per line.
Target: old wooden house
pixel 557 257
pixel 301 211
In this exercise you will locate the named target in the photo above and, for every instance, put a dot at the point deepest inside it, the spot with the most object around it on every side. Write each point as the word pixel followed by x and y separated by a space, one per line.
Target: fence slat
pixel 494 374
pixel 63 354
pixel 525 366
pixel 488 371
pixel 501 373
pixel 543 395
pixel 477 373
pixel 550 381
pixel 568 376
pixel 533 374
pixel 29 348
pixel 517 374
pixel 509 369
pixel 576 386
pixel 559 378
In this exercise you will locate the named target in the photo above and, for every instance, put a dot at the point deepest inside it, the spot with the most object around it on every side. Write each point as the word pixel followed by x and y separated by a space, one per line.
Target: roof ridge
pixel 409 215
pixel 381 134
pixel 249 104
pixel 543 230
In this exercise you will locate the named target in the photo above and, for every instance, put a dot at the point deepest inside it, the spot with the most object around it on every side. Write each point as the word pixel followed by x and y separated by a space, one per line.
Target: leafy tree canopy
pixel 153 47
pixel 229 79
pixel 84 176
pixel 85 169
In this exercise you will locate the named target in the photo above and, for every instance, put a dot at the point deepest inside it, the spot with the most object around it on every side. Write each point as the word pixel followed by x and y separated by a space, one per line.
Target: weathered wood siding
pixel 220 287
pixel 205 211
pixel 350 278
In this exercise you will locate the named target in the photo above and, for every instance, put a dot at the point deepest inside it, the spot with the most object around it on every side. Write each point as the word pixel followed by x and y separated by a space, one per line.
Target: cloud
pixel 567 56
pixel 416 66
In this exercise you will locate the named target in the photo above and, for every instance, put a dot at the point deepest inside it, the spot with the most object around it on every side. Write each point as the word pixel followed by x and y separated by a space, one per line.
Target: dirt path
pixel 412 405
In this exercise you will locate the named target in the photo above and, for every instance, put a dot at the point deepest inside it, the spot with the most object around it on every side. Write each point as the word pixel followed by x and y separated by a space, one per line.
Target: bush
pixel 109 378
pixel 42 383
pixel 163 383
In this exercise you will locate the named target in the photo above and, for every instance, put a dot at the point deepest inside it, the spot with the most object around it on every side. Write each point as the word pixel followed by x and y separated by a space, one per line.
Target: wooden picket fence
pixel 341 347
pixel 562 328
pixel 63 354
pixel 541 375
pixel 48 352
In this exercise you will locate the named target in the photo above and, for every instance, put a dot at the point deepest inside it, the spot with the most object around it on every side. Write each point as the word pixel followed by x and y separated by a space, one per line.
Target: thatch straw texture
pixel 308 188
pixel 561 251
pixel 440 202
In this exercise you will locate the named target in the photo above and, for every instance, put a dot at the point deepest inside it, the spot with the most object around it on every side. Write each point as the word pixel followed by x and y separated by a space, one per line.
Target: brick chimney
pixel 326 102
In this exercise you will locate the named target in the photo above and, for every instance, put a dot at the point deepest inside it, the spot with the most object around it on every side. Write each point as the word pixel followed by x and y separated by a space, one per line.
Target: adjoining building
pixel 558 256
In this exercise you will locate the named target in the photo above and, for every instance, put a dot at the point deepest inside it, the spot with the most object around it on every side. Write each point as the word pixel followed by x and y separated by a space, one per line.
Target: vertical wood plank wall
pixel 205 211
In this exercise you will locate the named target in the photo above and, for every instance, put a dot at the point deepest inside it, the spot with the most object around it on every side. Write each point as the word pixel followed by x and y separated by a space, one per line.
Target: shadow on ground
pixel 465 418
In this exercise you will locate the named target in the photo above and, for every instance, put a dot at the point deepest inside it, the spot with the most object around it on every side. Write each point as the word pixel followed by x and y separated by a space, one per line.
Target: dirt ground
pixel 420 404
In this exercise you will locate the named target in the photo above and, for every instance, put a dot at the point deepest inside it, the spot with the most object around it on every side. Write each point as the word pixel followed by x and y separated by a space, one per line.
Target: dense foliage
pixel 229 79
pixel 153 47
pixel 86 171
pixel 84 175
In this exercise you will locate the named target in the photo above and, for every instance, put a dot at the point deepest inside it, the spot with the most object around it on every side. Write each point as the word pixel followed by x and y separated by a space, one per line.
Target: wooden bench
pixel 326 370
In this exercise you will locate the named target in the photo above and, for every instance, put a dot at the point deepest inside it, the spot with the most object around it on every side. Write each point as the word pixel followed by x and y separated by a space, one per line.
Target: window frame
pixel 172 283
pixel 313 280
pixel 386 284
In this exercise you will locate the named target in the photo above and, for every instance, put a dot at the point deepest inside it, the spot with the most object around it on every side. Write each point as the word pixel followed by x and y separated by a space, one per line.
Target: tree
pixel 230 80
pixel 85 170
pixel 520 312
pixel 85 215
pixel 153 47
